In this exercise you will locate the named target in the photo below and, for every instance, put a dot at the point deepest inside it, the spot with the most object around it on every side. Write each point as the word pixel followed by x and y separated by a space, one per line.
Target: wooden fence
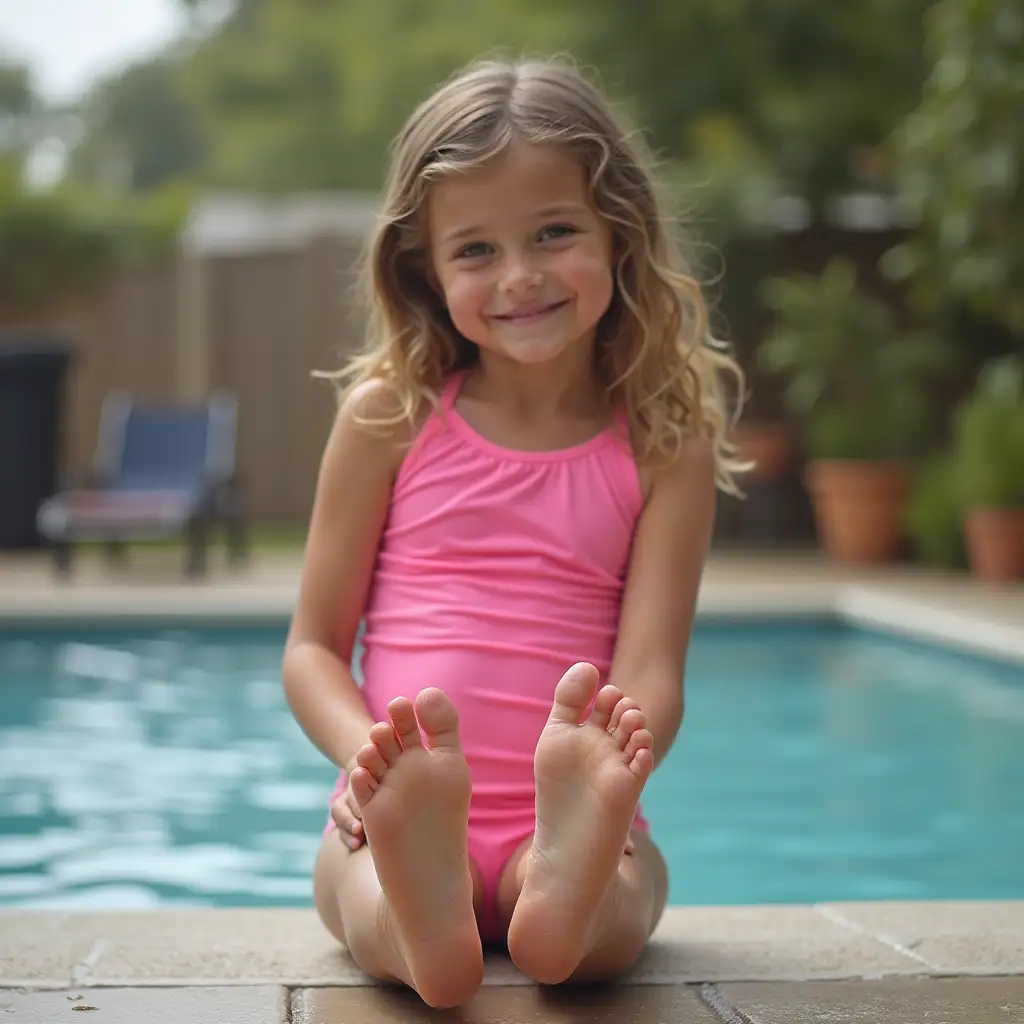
pixel 267 321
pixel 258 324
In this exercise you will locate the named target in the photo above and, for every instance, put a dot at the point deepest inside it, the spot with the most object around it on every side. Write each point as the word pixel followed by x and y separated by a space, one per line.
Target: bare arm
pixel 351 504
pixel 669 551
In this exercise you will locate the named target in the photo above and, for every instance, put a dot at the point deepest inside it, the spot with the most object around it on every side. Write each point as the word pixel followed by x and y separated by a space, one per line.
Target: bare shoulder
pixel 693 468
pixel 370 425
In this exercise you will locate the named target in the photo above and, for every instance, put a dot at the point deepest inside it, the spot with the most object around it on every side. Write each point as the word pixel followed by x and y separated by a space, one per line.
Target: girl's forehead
pixel 521 180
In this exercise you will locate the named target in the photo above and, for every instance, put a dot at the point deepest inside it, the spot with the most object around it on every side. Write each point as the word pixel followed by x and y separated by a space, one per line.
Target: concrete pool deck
pixel 961 963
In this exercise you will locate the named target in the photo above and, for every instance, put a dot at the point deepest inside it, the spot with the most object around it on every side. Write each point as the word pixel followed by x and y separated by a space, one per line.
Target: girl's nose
pixel 520 275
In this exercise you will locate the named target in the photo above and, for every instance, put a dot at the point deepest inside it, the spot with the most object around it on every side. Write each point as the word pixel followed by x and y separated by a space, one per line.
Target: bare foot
pixel 589 780
pixel 415 806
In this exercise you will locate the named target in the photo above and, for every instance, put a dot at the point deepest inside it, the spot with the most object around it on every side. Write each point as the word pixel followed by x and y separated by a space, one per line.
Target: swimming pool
pixel 160 766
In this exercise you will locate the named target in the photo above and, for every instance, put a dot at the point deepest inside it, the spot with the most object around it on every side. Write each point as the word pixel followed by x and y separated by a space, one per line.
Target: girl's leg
pixel 345 885
pixel 404 903
pixel 629 912
pixel 582 907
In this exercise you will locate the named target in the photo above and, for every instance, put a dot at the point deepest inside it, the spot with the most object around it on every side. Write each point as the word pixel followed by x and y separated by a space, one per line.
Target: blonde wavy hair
pixel 655 352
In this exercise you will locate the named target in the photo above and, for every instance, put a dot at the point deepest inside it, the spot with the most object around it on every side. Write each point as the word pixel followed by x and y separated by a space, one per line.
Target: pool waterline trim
pixel 870 607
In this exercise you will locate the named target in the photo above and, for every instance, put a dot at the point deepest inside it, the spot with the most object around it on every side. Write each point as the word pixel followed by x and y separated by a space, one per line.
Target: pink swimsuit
pixel 497 570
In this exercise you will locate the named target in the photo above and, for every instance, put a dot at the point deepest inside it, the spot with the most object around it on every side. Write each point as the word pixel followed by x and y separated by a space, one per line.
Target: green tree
pixel 22 116
pixel 811 89
pixel 962 164
pixel 308 93
pixel 796 94
pixel 138 130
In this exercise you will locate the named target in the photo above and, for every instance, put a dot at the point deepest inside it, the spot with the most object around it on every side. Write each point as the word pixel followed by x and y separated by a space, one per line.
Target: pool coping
pixel 168 948
pixel 915 613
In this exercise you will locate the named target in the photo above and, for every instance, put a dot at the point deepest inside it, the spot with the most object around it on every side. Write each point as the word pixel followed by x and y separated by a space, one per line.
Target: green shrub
pixel 988 438
pixel 46 248
pixel 58 242
pixel 933 515
pixel 857 382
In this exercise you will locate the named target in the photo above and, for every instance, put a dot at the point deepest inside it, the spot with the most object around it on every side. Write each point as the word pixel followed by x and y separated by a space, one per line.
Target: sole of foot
pixel 414 799
pixel 590 772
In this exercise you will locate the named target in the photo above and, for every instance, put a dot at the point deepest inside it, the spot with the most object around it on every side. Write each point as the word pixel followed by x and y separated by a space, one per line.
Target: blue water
pixel 160 766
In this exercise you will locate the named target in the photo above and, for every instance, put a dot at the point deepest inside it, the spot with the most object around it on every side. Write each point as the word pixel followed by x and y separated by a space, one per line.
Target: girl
pixel 519 486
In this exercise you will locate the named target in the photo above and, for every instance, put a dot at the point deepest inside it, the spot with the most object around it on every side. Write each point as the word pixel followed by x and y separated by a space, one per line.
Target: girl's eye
pixel 554 231
pixel 468 252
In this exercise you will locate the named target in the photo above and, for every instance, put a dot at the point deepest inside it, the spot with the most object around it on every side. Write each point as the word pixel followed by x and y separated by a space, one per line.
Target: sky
pixel 69 43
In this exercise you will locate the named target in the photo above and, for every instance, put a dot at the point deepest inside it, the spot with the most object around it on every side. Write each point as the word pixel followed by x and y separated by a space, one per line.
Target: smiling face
pixel 523 262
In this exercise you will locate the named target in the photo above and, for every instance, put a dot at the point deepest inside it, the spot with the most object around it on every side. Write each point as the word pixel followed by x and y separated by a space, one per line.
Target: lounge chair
pixel 159 471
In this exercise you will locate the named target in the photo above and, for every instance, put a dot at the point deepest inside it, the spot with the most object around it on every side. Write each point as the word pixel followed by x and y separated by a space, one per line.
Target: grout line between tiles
pixel 833 915
pixel 721 1007
pixel 80 971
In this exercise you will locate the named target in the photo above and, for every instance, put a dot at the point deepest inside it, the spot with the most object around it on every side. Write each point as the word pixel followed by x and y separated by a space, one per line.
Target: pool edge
pixel 693 945
pixel 876 606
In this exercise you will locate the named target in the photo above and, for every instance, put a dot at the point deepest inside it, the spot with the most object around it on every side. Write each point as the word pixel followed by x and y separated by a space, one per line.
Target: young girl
pixel 517 499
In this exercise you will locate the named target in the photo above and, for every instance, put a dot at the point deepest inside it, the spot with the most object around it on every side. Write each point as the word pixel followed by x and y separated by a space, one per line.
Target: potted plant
pixel 988 454
pixel 934 520
pixel 859 387
pixel 766 443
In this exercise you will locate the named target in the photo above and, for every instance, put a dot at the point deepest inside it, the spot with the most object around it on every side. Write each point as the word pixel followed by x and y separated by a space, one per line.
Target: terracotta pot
pixel 995 543
pixel 769 445
pixel 858 508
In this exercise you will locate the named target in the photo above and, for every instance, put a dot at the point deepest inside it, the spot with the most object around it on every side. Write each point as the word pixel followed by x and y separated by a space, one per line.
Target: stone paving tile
pixel 890 1001
pixel 656 1004
pixel 290 947
pixel 225 946
pixel 36 949
pixel 762 943
pixel 262 1005
pixel 949 937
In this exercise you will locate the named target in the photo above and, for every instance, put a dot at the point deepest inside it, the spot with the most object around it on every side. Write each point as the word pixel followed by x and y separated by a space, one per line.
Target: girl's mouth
pixel 531 314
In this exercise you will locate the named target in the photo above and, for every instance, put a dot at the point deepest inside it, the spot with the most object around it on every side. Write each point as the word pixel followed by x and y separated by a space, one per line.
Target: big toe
pixel 574 692
pixel 438 718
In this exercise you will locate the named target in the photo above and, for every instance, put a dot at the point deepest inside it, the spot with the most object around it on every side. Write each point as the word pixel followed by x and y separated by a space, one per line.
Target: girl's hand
pixel 348 817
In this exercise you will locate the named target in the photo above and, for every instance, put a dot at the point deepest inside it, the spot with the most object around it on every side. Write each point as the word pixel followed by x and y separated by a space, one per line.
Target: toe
pixel 624 705
pixel 438 718
pixel 364 785
pixel 574 692
pixel 642 764
pixel 607 698
pixel 640 740
pixel 370 759
pixel 383 737
pixel 632 720
pixel 403 718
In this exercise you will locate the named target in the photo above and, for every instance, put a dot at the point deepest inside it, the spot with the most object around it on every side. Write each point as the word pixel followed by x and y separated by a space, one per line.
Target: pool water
pixel 159 767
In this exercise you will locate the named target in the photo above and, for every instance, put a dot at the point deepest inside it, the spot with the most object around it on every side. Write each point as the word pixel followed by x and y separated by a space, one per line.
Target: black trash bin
pixel 32 370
